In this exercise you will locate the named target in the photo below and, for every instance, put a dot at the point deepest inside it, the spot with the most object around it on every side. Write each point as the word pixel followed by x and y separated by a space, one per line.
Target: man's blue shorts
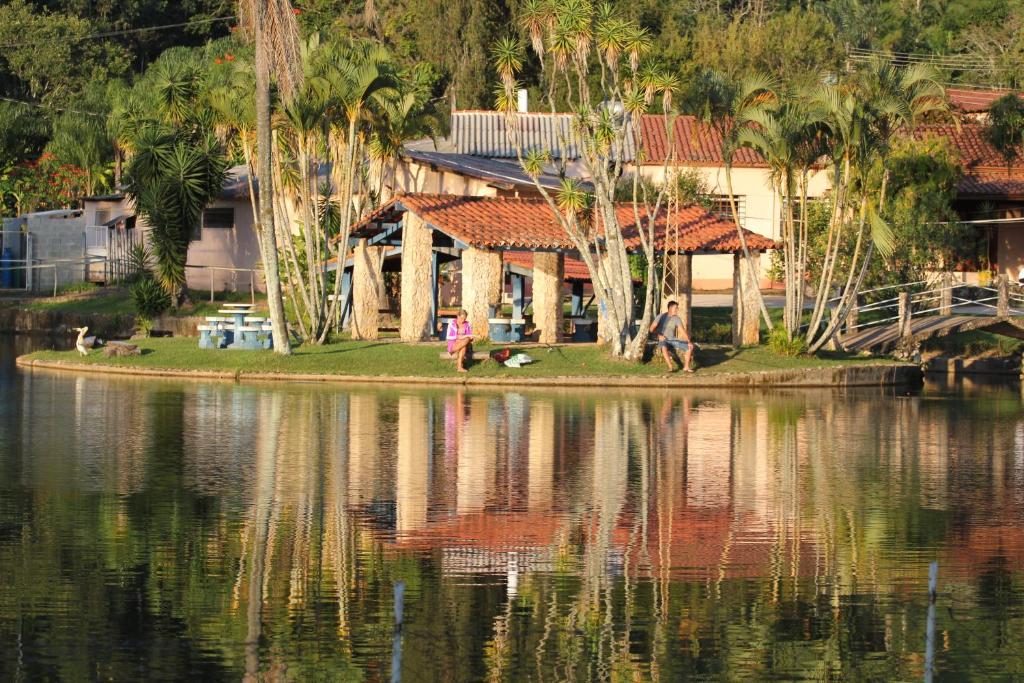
pixel 677 344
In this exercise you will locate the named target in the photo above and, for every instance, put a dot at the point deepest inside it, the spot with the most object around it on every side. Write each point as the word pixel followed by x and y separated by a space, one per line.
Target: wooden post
pixel 746 320
pixel 1002 296
pixel 679 288
pixel 367 281
pixel 851 317
pixel 548 316
pixel 417 251
pixel 904 316
pixel 482 279
pixel 946 294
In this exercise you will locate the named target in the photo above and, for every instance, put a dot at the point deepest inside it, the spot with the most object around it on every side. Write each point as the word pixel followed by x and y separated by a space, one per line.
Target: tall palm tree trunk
pixel 268 242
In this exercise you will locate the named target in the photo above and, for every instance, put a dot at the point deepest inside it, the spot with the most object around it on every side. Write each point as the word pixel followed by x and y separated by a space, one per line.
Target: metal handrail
pixel 252 277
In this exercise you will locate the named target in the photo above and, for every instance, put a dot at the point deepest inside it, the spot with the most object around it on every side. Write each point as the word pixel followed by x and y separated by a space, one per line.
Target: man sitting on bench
pixel 668 330
pixel 460 340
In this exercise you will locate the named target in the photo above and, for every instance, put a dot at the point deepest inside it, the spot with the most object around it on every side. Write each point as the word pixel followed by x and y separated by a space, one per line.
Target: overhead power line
pixel 124 32
pixel 40 105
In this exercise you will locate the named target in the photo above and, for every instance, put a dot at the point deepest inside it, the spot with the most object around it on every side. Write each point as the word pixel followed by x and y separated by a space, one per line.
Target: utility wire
pixel 111 34
pixel 40 105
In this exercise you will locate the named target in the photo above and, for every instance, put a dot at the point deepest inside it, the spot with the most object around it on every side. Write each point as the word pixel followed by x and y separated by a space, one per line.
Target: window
pixel 797 218
pixel 221 217
pixel 721 207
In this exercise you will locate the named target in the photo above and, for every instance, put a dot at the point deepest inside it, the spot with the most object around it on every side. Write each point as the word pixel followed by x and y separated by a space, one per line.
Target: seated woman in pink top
pixel 460 340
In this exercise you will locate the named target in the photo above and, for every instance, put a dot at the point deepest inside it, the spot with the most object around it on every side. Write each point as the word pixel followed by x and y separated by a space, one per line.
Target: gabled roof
pixel 974 100
pixel 694 143
pixel 485 133
pixel 501 173
pixel 528 224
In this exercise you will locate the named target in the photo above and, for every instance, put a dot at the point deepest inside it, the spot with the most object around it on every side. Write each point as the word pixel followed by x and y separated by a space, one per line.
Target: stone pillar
pixel 679 286
pixel 367 283
pixel 482 280
pixel 746 314
pixel 417 251
pixel 548 314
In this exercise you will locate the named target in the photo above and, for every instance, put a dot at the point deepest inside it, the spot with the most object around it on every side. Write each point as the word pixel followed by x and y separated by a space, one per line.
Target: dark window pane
pixel 219 218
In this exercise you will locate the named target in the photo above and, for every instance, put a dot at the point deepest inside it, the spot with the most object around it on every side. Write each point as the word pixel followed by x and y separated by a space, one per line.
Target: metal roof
pixel 502 173
pixel 486 134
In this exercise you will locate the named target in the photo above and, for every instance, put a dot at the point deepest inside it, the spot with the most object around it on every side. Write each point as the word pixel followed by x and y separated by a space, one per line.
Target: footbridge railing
pixel 949 306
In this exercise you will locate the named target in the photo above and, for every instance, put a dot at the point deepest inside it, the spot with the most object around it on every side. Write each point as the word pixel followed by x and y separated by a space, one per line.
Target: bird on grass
pixel 80 344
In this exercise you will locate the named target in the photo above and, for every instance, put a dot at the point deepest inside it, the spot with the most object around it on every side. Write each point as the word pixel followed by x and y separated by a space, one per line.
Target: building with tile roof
pixel 479 231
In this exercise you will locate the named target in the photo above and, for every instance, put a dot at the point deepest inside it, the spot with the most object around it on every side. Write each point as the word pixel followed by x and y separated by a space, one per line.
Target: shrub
pixel 781 345
pixel 139 262
pixel 149 298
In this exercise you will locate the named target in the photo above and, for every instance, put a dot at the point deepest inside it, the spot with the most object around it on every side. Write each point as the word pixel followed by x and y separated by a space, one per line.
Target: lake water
pixel 157 530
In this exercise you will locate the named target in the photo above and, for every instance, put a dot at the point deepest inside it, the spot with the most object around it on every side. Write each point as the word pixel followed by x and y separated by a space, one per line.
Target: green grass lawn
pixel 392 359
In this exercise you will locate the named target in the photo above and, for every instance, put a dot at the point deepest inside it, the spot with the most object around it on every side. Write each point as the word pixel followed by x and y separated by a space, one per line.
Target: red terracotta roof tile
pixel 529 225
pixel 994 185
pixel 695 143
pixel 575 269
pixel 972 100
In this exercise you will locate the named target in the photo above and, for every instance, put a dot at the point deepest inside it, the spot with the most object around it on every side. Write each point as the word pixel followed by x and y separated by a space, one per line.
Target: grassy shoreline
pixel 390 359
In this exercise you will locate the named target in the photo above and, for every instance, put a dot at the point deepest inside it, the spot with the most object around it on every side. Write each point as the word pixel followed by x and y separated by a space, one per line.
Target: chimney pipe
pixel 523 101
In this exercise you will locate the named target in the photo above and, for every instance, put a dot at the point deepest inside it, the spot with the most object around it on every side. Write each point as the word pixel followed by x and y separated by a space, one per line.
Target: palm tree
pixel 788 137
pixel 863 115
pixel 172 177
pixel 272 27
pixel 729 106
pixel 349 77
pixel 404 115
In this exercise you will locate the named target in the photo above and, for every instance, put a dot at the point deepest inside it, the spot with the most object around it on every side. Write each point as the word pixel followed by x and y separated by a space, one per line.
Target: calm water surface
pixel 165 530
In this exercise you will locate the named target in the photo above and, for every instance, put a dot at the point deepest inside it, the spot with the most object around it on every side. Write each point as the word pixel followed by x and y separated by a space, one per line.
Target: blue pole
pixel 346 298
pixel 577 299
pixel 518 295
pixel 434 272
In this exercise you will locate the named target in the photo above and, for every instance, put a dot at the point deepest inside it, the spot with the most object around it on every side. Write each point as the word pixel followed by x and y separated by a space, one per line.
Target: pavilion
pixel 497 238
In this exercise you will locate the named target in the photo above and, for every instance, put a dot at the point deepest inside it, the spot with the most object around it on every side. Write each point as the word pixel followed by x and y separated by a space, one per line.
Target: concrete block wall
pixel 58 239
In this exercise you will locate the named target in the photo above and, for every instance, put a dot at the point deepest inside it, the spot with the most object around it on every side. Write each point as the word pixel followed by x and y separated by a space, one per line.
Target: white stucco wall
pixel 235 247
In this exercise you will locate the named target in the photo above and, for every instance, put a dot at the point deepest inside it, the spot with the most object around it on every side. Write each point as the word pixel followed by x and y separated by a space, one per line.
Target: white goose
pixel 80 344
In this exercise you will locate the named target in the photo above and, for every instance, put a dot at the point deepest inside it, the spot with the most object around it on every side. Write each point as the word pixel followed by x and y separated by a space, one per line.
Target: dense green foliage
pixel 149 298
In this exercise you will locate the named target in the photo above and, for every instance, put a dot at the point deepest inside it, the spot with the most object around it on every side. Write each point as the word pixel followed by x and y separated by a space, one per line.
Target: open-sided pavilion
pixel 497 238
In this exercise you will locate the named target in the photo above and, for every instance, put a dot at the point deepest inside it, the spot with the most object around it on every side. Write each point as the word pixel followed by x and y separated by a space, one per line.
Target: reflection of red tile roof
pixel 575 269
pixel 695 143
pixel 528 224
pixel 495 531
pixel 972 101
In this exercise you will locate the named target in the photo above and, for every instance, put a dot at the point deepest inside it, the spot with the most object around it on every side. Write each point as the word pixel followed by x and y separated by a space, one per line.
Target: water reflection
pixel 222 531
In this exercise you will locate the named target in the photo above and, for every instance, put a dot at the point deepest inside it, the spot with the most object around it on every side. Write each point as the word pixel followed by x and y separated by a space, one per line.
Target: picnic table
pixel 238 329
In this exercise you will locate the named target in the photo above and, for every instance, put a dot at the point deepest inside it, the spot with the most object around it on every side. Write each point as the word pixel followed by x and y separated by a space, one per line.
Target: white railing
pixel 253 272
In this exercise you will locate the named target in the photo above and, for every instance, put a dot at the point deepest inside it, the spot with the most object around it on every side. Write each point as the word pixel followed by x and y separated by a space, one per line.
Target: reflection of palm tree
pixel 266 487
